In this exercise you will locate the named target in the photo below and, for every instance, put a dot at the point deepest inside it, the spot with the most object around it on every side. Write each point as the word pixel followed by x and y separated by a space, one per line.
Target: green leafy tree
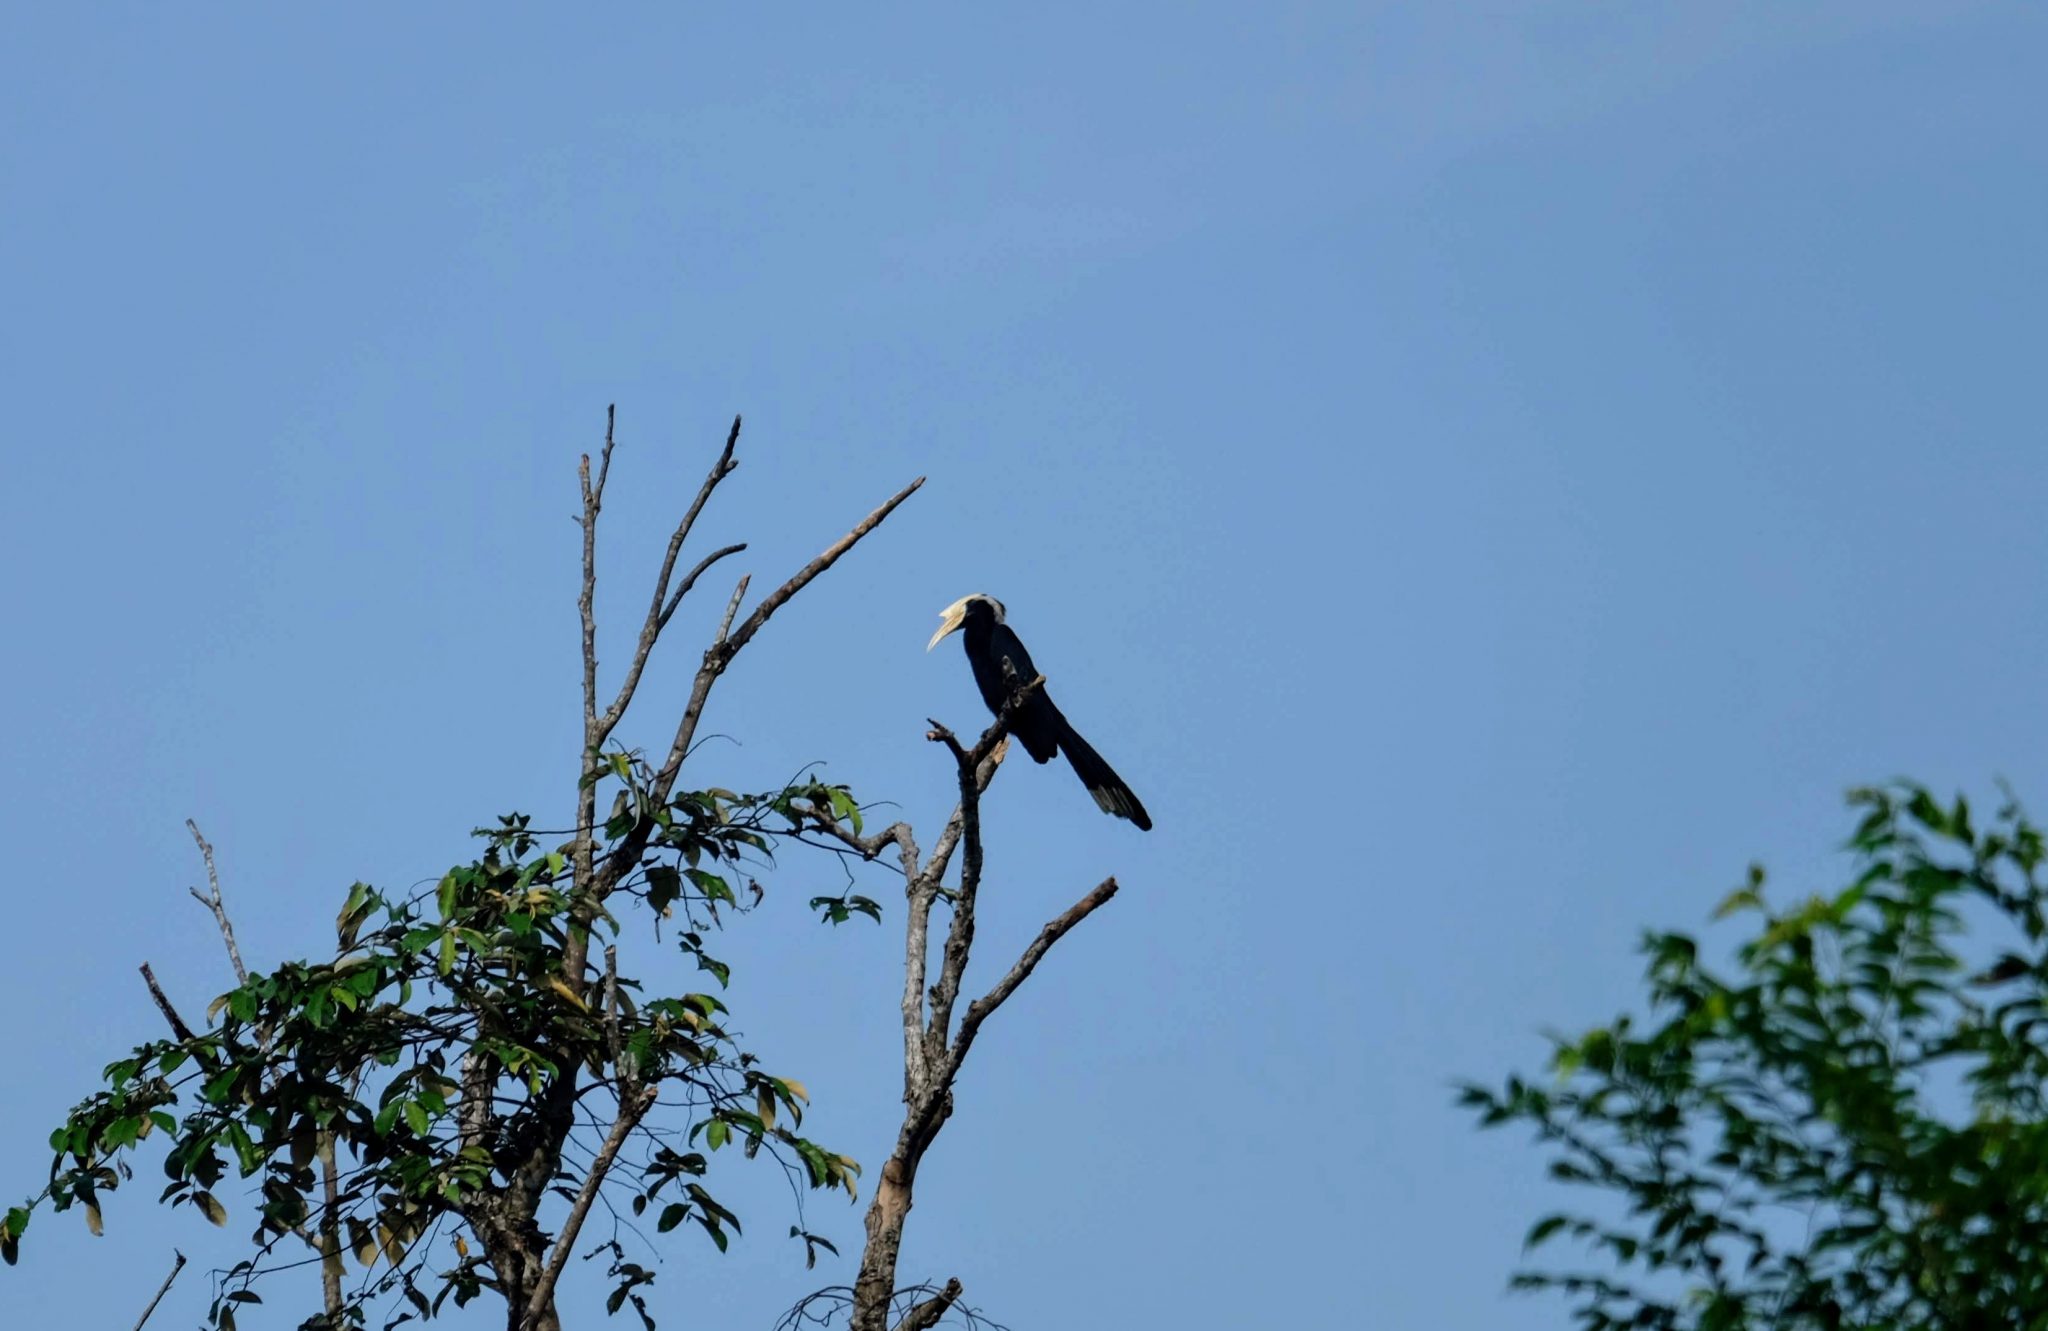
pixel 434 1108
pixel 1843 1127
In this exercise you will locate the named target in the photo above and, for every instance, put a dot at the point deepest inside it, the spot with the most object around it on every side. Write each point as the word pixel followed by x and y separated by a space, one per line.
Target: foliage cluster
pixel 1843 1128
pixel 441 1060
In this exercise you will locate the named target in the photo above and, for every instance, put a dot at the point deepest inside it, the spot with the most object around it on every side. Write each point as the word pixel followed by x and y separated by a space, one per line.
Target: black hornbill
pixel 1001 667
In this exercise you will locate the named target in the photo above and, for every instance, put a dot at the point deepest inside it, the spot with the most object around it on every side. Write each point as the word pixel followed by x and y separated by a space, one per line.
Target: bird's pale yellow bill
pixel 950 620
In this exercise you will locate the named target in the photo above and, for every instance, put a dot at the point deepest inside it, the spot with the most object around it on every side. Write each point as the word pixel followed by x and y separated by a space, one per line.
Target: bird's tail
pixel 1111 793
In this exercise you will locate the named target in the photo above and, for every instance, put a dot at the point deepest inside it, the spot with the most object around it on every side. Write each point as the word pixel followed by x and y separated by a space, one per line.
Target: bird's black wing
pixel 1037 723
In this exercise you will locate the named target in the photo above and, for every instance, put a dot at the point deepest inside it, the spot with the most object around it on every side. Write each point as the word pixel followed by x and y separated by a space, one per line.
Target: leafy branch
pixel 1846 1126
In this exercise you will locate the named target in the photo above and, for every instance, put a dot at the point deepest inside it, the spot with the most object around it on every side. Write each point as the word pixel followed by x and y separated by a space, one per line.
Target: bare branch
pixel 586 596
pixel 162 1289
pixel 178 1026
pixel 732 607
pixel 586 613
pixel 949 836
pixel 611 1000
pixel 919 888
pixel 663 604
pixel 719 656
pixel 213 903
pixel 329 1246
pixel 630 1113
pixel 777 598
pixel 980 1009
pixel 926 1315
pixel 960 935
pixel 604 463
pixel 690 579
pixel 819 1307
pixel 868 847
pixel 930 1066
pixel 917 1074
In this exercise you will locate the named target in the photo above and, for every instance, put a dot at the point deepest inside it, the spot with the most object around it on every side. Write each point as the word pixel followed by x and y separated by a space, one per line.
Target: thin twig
pixel 214 904
pixel 690 579
pixel 732 607
pixel 178 1026
pixel 162 1289
pixel 604 464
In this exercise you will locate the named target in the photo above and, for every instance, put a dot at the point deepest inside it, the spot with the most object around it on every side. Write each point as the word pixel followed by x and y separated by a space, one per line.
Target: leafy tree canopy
pixel 1843 1127
pixel 429 1055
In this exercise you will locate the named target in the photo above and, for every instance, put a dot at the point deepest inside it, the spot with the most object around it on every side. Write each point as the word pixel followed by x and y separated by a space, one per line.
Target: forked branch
pixel 212 901
pixel 934 1053
pixel 717 657
pixel 594 882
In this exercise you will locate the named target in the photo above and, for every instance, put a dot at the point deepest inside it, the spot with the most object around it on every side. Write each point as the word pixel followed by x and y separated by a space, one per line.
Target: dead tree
pixel 935 1047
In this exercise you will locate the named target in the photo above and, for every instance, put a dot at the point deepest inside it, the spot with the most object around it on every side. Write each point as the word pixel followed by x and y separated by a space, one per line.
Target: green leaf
pixel 844 807
pixel 218 1086
pixel 242 1004
pixel 712 886
pixel 353 911
pixel 672 1215
pixel 1742 898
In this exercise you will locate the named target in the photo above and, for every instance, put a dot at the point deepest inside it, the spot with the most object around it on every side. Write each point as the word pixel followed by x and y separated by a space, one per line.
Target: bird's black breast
pixel 1001 667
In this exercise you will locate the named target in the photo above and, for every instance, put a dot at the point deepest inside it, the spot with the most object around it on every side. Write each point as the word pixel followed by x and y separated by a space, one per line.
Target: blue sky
pixel 1484 473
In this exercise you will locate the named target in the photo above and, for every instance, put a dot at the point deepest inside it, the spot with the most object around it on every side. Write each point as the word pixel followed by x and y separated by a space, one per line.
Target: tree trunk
pixel 877 1281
